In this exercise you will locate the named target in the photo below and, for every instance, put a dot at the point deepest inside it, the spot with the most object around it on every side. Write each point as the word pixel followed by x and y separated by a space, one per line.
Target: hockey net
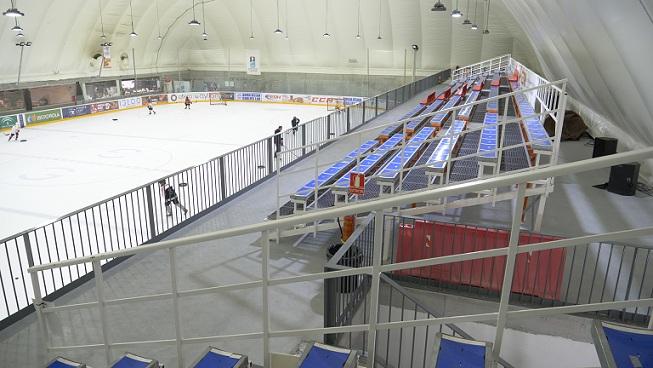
pixel 215 98
pixel 336 103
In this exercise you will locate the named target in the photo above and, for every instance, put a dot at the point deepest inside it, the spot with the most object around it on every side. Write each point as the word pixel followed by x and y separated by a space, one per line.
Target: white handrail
pixel 379 204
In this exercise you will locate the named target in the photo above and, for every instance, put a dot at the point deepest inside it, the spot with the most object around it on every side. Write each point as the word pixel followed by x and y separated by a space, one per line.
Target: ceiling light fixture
pixel 13 11
pixel 204 34
pixel 103 36
pixel 456 13
pixel 158 21
pixel 379 36
pixel 131 15
pixel 487 19
pixel 438 7
pixel 467 21
pixel 358 20
pixel 16 28
pixel 474 26
pixel 326 19
pixel 194 22
pixel 278 30
pixel 251 19
pixel 20 35
pixel 285 35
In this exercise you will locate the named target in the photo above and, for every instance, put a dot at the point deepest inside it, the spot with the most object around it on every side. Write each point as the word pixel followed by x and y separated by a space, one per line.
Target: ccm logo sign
pixel 357 183
pixel 322 99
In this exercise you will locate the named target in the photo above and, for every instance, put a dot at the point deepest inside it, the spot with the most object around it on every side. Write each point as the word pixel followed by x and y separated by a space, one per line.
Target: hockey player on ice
pixel 150 108
pixel 170 197
pixel 187 103
pixel 14 131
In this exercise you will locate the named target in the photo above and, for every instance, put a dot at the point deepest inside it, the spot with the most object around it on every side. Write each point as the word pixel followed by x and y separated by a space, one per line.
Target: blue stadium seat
pixel 455 352
pixel 130 360
pixel 621 346
pixel 438 120
pixel 415 124
pixel 319 355
pixel 466 112
pixel 329 175
pixel 489 138
pixel 535 132
pixel 216 358
pixel 389 174
pixel 438 159
pixel 392 129
pixel 370 162
pixel 60 362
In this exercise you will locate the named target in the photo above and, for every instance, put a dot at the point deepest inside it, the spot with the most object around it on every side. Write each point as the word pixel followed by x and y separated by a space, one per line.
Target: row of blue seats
pixel 370 162
pixel 440 118
pixel 390 172
pixel 493 106
pixel 466 112
pixel 210 358
pixel 535 132
pixel 327 176
pixel 622 346
pixel 489 138
pixel 437 162
pixel 414 124
pixel 392 129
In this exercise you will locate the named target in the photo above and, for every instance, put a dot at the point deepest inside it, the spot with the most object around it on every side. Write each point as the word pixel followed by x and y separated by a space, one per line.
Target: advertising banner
pixel 227 96
pixel 194 96
pixel 253 62
pixel 130 102
pixel 106 56
pixel 42 116
pixel 104 106
pixel 247 96
pixel 8 121
pixel 155 99
pixel 69 112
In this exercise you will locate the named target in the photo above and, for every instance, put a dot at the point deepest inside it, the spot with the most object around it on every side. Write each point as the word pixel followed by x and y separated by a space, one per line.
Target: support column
pixel 175 306
pixel 266 309
pixel 99 289
pixel 150 211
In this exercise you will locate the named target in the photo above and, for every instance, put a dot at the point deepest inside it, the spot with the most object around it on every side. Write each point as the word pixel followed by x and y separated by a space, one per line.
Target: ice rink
pixel 68 165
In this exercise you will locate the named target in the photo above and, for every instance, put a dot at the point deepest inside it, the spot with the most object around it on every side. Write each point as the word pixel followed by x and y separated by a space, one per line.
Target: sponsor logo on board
pixel 129 102
pixel 69 112
pixel 43 116
pixel 8 121
pixel 104 106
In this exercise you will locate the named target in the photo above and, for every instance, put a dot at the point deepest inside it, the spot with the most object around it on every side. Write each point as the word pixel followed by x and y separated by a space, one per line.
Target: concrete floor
pixel 220 262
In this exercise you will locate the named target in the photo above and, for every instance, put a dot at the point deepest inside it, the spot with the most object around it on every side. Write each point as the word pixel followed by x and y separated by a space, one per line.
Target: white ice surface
pixel 68 165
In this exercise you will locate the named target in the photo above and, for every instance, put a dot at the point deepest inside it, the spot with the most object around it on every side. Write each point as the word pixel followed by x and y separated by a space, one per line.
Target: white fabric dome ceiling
pixel 602 46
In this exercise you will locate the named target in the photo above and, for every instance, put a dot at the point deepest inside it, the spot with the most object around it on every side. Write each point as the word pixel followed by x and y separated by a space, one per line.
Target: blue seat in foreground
pixel 130 360
pixel 457 352
pixel 60 362
pixel 216 358
pixel 621 346
pixel 319 355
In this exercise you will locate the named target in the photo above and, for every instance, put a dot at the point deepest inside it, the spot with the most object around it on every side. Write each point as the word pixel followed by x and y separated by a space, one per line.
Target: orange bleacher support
pixel 462 91
pixel 445 94
pixel 514 77
pixel 478 86
pixel 429 99
pixel 496 82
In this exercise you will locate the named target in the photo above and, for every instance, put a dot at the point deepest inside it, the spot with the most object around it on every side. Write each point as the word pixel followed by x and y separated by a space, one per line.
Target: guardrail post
pixel 304 135
pixel 265 276
pixel 28 251
pixel 175 306
pixel 329 313
pixel 328 124
pixel 374 290
pixel 517 211
pixel 271 153
pixel 348 119
pixel 43 335
pixel 363 113
pixel 150 211
pixel 223 181
pixel 376 106
pixel 99 289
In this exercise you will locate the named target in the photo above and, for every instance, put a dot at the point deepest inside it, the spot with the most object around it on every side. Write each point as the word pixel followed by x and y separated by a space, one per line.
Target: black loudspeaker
pixel 623 179
pixel 604 146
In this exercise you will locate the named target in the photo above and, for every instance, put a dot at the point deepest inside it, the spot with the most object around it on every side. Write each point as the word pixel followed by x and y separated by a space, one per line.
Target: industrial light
pixel 326 19
pixel 251 20
pixel 379 37
pixel 159 37
pixel 194 22
pixel 131 15
pixel 24 44
pixel 204 34
pixel 326 35
pixel 487 31
pixel 439 7
pixel 278 30
pixel 358 20
pixel 133 34
pixel 16 28
pixel 456 13
pixel 467 21
pixel 20 35
pixel 358 37
pixel 487 19
pixel 474 27
pixel 104 37
pixel 251 37
pixel 13 12
pixel 158 21
pixel 105 44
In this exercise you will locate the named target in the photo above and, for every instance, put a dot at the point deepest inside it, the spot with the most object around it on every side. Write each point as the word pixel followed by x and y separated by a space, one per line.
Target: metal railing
pixel 138 216
pixel 481 68
pixel 374 271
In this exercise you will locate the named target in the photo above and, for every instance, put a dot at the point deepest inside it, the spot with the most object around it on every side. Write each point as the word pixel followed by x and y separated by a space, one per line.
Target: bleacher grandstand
pixel 442 220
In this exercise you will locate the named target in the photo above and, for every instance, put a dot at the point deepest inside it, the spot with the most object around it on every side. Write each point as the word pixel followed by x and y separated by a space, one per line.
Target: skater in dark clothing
pixel 150 108
pixel 294 122
pixel 14 131
pixel 278 140
pixel 170 197
pixel 187 103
